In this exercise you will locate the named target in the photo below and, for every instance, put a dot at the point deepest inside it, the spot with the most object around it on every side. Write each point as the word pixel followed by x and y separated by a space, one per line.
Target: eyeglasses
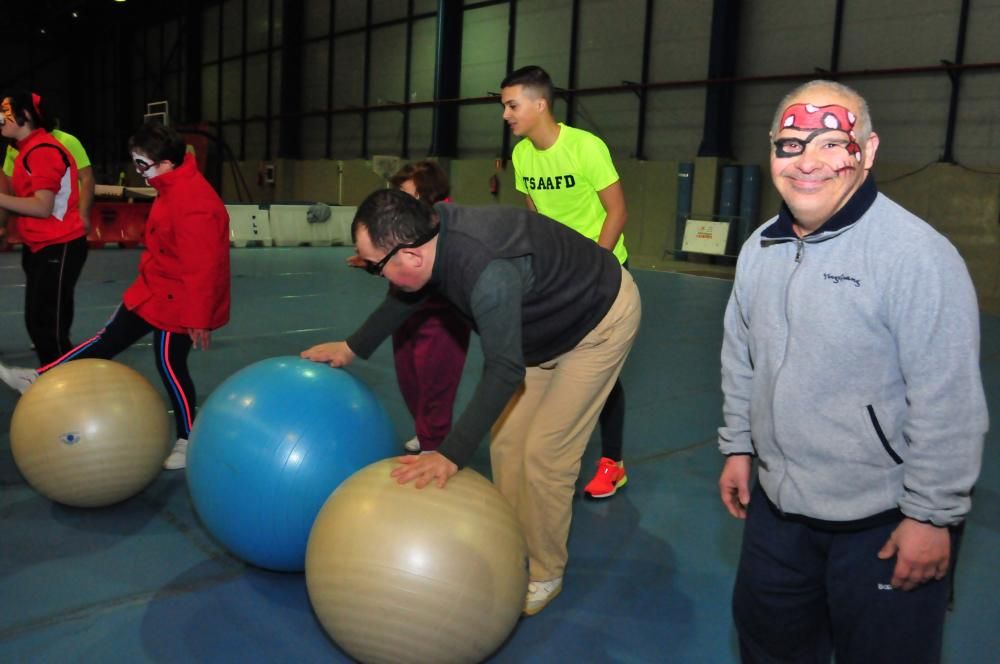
pixel 377 268
pixel 141 165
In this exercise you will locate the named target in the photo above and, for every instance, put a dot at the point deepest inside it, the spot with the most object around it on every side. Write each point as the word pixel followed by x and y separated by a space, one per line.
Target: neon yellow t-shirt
pixel 70 142
pixel 563 180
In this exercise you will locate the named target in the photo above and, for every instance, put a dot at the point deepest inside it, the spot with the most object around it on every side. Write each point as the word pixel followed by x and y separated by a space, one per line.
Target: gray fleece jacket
pixel 850 366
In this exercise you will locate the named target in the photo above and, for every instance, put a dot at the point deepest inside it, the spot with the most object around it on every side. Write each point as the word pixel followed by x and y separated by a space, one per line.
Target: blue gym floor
pixel 650 569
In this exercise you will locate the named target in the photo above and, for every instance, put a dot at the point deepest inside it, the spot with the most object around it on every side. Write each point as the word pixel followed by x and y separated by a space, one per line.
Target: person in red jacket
pixel 182 291
pixel 45 200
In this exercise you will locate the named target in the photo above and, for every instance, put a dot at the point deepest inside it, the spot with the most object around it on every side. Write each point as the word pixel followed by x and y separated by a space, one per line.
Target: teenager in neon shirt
pixel 567 174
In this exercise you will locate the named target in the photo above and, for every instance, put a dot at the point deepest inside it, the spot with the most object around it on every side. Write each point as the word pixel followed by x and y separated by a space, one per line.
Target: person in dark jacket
pixel 556 315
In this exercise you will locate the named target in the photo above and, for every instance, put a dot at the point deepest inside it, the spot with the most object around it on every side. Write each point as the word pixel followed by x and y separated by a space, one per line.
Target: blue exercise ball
pixel 270 445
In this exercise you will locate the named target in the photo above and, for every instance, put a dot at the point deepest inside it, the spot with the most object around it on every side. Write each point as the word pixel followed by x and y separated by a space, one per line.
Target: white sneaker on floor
pixel 540 593
pixel 178 457
pixel 412 446
pixel 18 378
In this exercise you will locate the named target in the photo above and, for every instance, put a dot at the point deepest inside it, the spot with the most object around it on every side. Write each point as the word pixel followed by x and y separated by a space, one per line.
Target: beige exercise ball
pixel 90 433
pixel 399 574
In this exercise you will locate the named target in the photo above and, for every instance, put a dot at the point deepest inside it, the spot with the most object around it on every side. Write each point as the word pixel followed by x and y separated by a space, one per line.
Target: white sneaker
pixel 18 378
pixel 178 457
pixel 540 593
pixel 412 446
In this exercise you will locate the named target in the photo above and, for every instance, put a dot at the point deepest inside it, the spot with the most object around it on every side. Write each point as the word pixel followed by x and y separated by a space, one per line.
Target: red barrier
pixel 118 222
pixel 111 222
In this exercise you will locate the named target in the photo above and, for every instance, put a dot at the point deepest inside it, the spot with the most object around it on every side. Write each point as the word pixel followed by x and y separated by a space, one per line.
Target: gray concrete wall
pixel 965 207
pixel 962 204
pixel 910 111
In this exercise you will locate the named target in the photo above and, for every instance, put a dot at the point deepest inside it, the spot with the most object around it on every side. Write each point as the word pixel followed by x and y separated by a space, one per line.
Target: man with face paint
pixel 45 199
pixel 182 291
pixel 850 370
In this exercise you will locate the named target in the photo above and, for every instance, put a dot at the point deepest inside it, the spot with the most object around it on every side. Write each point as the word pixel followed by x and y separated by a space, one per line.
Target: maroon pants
pixel 429 350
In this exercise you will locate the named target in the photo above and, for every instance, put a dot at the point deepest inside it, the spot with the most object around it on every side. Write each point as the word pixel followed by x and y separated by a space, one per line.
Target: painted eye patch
pixel 820 119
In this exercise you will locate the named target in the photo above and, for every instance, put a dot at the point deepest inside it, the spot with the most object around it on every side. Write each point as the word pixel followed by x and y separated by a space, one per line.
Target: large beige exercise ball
pixel 90 433
pixel 399 574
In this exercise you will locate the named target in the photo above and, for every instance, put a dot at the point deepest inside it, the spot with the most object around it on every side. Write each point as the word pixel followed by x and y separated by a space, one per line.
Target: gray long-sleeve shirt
pixel 532 289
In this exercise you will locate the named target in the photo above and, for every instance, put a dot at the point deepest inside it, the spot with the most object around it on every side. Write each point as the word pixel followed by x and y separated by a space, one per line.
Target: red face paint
pixel 818 120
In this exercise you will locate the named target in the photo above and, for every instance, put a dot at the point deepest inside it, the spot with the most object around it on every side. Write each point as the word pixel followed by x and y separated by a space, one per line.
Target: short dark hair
pixel 429 179
pixel 29 107
pixel 533 78
pixel 159 143
pixel 393 217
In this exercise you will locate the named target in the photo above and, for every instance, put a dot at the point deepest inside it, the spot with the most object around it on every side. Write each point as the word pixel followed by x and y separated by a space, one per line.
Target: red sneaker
pixel 609 478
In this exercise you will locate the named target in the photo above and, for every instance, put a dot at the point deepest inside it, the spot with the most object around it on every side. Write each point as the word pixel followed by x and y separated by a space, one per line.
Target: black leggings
pixel 50 280
pixel 613 419
pixel 171 349
pixel 613 423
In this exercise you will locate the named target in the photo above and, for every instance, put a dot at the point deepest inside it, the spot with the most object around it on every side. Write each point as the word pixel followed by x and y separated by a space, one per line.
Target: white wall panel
pixel 385 133
pixel 388 10
pixel 673 123
pixel 480 130
pixel 977 135
pixel 679 40
pixel 779 37
pixel 232 28
pixel 347 15
pixel 613 118
pixel 420 132
pixel 542 37
pixel 257 24
pixel 315 75
pixel 276 91
pixel 981 42
pixel 754 107
pixel 232 88
pixel 909 114
pixel 348 71
pixel 610 42
pixel 346 135
pixel 256 85
pixel 313 136
pixel 484 50
pixel 422 60
pixel 898 33
pixel 255 140
pixel 317 18
pixel 210 33
pixel 209 92
pixel 388 66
